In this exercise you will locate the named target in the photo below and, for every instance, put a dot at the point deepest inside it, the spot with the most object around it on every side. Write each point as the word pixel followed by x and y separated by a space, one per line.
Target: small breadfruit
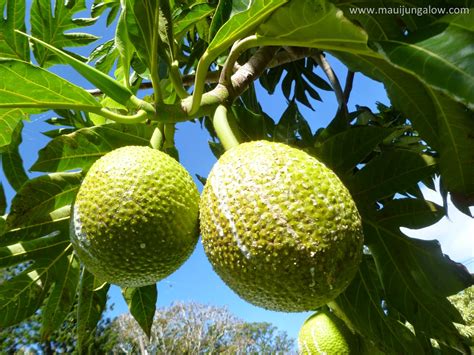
pixel 324 333
pixel 135 217
pixel 279 227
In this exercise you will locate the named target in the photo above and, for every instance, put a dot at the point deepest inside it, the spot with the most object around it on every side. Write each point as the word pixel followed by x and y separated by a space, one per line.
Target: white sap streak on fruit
pixel 221 194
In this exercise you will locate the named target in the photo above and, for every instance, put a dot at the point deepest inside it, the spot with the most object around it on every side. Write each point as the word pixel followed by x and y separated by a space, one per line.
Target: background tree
pixel 192 328
pixel 200 60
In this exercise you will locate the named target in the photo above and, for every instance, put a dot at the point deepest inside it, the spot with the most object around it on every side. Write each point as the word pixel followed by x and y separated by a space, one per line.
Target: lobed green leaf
pixel 361 305
pixel 391 172
pixel 417 277
pixel 440 55
pixel 316 24
pixel 25 85
pixel 40 196
pixel 50 25
pixel 342 152
pixel 81 148
pixel 23 294
pixel 12 162
pixel 12 45
pixel 14 254
pixel 61 298
pixel 91 304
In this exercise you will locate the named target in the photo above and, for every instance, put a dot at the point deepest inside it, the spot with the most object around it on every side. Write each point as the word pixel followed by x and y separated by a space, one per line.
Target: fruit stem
pixel 140 116
pixel 225 127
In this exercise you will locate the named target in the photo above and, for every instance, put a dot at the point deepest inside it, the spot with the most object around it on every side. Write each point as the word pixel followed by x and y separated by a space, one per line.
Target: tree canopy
pixel 199 61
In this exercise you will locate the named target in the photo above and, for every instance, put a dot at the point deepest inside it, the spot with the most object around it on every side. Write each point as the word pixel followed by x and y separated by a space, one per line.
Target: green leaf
pixel 343 151
pixel 242 24
pixel 50 25
pixel 411 213
pixel 81 148
pixel 23 294
pixel 91 304
pixel 187 19
pixel 292 128
pixel 42 195
pixel 12 162
pixel 25 85
pixel 221 15
pixel 312 23
pixel 9 120
pixel 143 23
pixel 11 44
pixel 456 137
pixel 108 85
pixel 361 305
pixel 391 172
pixel 61 298
pixel 440 55
pixel 444 124
pixel 58 220
pixel 14 254
pixel 142 305
pixel 417 277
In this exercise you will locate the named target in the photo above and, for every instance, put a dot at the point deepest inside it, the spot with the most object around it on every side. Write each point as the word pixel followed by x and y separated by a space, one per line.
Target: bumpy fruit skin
pixel 324 333
pixel 279 227
pixel 135 218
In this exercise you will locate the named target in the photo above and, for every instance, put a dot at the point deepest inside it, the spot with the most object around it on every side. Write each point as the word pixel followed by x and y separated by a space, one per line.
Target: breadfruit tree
pixel 291 218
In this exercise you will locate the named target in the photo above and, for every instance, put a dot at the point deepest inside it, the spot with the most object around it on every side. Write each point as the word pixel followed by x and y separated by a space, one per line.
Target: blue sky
pixel 195 280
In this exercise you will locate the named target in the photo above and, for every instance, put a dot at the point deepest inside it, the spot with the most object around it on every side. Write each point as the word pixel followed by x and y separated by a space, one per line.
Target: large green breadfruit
pixel 279 227
pixel 324 333
pixel 135 218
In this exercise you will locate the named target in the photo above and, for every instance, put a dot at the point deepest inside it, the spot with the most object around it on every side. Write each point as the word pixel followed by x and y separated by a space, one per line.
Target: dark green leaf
pixel 91 304
pixel 41 196
pixel 412 213
pixel 343 151
pixel 81 148
pixel 42 89
pixel 12 45
pixel 50 25
pixel 61 297
pixel 444 124
pixel 391 172
pixel 440 55
pixel 221 15
pixel 361 305
pixel 142 305
pixel 292 128
pixel 417 277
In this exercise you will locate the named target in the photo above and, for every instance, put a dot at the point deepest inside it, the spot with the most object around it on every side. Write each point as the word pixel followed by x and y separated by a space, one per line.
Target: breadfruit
pixel 135 217
pixel 279 227
pixel 324 333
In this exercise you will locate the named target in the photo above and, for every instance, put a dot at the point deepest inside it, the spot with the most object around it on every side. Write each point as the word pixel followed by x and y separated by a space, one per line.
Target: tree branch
pixel 282 57
pixel 333 80
pixel 348 85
